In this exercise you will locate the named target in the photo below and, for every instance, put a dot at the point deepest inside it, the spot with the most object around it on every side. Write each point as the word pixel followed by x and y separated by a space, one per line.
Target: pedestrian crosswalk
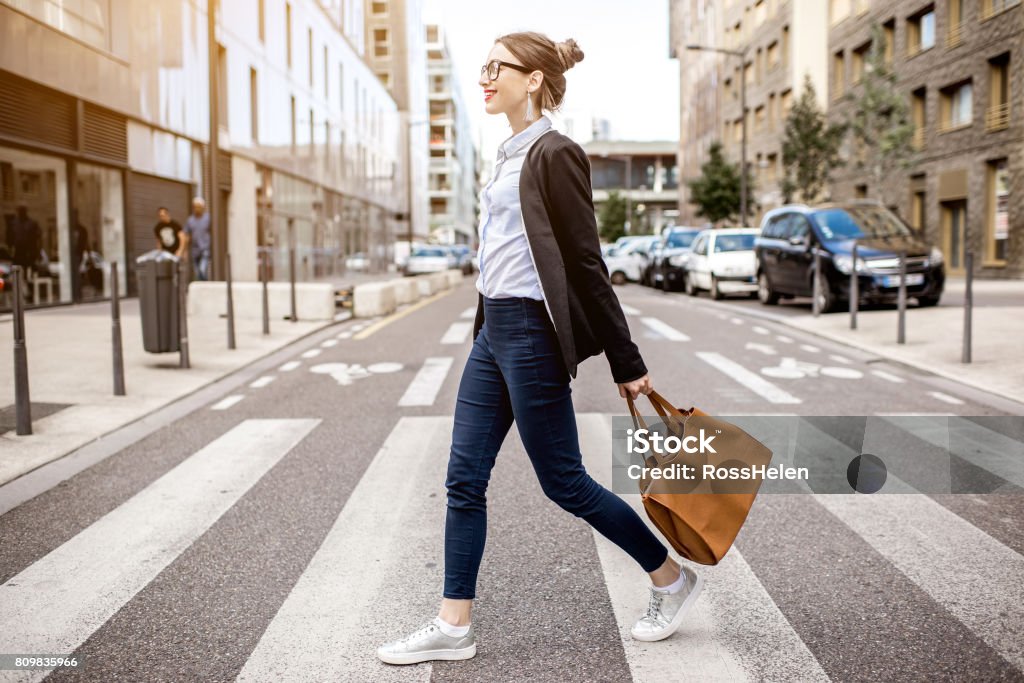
pixel 377 571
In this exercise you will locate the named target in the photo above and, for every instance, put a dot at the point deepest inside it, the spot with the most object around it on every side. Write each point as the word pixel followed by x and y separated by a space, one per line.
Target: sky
pixel 626 75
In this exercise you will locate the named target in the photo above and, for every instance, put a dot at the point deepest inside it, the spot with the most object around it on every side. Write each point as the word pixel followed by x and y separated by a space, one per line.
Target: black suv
pixel 789 235
pixel 670 264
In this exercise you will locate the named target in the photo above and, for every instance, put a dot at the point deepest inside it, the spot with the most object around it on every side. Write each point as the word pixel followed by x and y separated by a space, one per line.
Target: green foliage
pixel 611 217
pixel 810 148
pixel 880 127
pixel 716 192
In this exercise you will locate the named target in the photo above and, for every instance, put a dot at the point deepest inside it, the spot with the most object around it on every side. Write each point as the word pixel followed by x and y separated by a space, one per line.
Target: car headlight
pixel 677 260
pixel 935 258
pixel 844 264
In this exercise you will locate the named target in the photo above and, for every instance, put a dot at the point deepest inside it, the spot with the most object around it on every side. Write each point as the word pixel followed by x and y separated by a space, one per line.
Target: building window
pixel 771 111
pixel 921 31
pixel 838 74
pixel 956 106
pixel 85 20
pixel 785 46
pixel 293 124
pixel 385 78
pixel 760 12
pixel 998 115
pixel 341 89
pixel 859 59
pixel 327 86
pixel 432 34
pixel 889 33
pixel 990 8
pixel 262 19
pixel 997 230
pixel 860 191
pixel 786 102
pixel 759 119
pixel 379 9
pixel 748 73
pixel 838 10
pixel 381 42
pixel 254 105
pixel 773 55
pixel 955 30
pixel 309 56
pixel 222 85
pixel 917 203
pixel 917 112
pixel 288 32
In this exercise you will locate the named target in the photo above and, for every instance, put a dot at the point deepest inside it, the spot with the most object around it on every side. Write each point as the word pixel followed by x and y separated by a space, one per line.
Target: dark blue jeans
pixel 515 372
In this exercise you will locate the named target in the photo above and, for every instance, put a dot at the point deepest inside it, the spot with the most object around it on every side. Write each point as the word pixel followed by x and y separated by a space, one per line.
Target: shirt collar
pixel 524 137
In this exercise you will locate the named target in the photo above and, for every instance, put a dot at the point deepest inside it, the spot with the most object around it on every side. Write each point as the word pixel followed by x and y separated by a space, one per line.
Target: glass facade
pixel 98 234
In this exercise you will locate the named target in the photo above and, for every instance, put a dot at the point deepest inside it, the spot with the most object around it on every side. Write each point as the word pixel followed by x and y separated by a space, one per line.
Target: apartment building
pixel 452 188
pixel 770 47
pixel 958 62
pixel 105 116
pixel 645 173
pixel 396 51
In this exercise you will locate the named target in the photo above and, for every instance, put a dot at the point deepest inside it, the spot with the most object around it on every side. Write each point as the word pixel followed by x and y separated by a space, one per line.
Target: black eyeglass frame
pixel 517 67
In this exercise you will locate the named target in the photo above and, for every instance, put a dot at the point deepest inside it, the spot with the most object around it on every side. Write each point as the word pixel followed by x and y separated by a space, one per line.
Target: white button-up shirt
pixel 506 264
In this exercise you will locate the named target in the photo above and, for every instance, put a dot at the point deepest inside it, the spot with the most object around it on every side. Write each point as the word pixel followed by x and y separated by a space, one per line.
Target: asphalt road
pixel 282 530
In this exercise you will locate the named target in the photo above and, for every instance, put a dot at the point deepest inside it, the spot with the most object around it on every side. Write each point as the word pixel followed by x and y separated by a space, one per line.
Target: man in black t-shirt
pixel 169 235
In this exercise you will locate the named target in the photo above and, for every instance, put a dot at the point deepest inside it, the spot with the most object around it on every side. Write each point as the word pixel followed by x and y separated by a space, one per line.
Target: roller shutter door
pixel 145 195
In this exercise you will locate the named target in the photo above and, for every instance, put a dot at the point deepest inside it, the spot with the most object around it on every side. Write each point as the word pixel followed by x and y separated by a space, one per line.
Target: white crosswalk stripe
pixel 424 386
pixel 457 333
pixel 665 330
pixel 754 382
pixel 57 602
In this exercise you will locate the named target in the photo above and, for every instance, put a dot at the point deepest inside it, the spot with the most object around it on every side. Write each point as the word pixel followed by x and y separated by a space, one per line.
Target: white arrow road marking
pixel 889 377
pixel 755 383
pixel 665 330
pixel 424 386
pixel 469 312
pixel 766 349
pixel 457 333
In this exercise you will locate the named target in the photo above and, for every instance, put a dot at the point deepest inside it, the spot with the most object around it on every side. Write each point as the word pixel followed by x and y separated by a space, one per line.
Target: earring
pixel 529 108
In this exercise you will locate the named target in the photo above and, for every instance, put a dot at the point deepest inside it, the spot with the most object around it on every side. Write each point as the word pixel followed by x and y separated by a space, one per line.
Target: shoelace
pixel 654 604
pixel 418 632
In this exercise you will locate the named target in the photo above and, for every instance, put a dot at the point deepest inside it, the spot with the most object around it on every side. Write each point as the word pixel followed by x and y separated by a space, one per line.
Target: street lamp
pixel 742 54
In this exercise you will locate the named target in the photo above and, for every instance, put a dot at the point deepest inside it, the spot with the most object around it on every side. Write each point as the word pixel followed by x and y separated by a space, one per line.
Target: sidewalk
pixel 934 336
pixel 70 367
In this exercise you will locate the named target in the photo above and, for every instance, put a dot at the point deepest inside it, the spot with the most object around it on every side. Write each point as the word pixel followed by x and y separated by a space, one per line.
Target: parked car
pixel 464 258
pixel 430 259
pixel 671 262
pixel 722 262
pixel 626 263
pixel 790 235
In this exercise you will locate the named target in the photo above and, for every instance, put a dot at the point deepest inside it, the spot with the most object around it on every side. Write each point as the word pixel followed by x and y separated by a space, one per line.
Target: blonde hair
pixel 538 52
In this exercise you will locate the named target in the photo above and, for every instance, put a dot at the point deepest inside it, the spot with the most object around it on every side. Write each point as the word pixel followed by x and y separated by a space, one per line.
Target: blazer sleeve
pixel 571 203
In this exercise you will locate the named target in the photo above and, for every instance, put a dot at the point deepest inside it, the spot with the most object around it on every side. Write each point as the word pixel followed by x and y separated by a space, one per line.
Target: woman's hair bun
pixel 569 53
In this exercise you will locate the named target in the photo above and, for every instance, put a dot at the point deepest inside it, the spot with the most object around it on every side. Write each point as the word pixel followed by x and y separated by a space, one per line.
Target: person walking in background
pixel 544 305
pixel 25 239
pixel 169 235
pixel 197 227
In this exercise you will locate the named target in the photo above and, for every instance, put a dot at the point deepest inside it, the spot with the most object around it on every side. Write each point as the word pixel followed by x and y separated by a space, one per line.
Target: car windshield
pixel 680 239
pixel 859 221
pixel 736 242
pixel 429 252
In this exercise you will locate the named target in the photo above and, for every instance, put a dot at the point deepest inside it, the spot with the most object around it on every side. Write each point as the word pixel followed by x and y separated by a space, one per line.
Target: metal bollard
pixel 115 330
pixel 231 304
pixel 816 285
pixel 854 290
pixel 968 305
pixel 22 404
pixel 179 276
pixel 266 299
pixel 291 280
pixel 901 330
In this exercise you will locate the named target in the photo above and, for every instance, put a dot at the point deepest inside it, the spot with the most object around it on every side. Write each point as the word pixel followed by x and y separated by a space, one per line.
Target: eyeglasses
pixel 493 68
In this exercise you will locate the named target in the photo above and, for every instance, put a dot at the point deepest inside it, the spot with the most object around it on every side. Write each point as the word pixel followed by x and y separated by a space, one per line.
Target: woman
pixel 545 303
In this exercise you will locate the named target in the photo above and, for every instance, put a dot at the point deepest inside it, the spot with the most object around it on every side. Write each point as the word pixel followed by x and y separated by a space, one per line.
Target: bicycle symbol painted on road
pixel 347 373
pixel 791 368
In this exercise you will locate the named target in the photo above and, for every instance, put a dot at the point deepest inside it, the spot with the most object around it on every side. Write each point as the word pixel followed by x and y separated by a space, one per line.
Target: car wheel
pixel 827 299
pixel 618 278
pixel 765 293
pixel 716 293
pixel 927 301
pixel 691 287
pixel 665 286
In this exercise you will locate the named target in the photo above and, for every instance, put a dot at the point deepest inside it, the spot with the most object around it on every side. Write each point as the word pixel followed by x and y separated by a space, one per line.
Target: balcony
pixel 997 117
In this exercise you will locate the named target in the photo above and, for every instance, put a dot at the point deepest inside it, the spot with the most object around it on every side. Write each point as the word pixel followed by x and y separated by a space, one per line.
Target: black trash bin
pixel 158 300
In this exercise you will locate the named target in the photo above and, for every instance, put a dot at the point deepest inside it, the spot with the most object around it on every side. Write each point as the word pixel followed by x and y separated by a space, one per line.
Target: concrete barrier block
pixel 440 281
pixel 406 290
pixel 313 300
pixel 426 283
pixel 373 298
pixel 454 277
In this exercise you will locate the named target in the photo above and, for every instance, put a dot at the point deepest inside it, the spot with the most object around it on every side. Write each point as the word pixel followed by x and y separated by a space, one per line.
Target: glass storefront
pixel 34 205
pixel 99 234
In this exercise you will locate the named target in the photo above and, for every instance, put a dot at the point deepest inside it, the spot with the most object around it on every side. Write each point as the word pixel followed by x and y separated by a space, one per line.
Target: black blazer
pixel 557 204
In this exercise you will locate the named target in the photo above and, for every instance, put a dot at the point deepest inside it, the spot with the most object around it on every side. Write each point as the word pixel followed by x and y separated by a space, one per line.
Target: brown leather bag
pixel 700 517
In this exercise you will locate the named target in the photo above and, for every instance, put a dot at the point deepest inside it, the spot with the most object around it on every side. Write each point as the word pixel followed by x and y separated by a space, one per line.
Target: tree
pixel 716 192
pixel 810 148
pixel 612 217
pixel 879 123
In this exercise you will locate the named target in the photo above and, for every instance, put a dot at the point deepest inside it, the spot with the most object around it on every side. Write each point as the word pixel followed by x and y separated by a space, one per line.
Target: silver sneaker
pixel 426 643
pixel 665 611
